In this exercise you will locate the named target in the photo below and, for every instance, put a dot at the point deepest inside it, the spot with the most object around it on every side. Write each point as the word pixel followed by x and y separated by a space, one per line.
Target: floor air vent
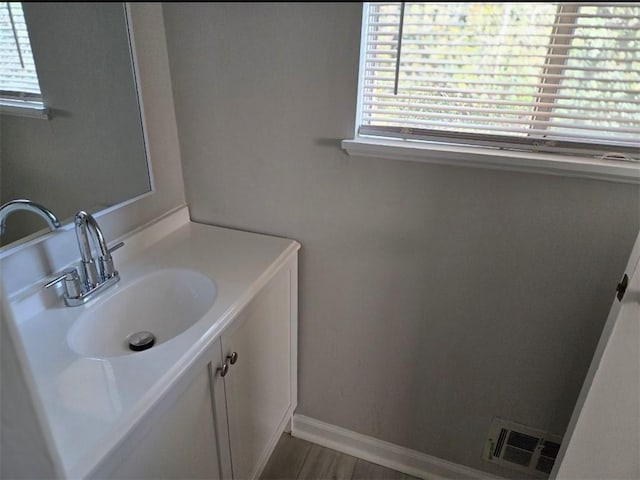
pixel 522 448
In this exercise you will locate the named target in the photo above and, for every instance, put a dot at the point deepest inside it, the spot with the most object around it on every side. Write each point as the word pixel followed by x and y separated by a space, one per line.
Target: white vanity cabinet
pixel 258 386
pixel 177 440
pixel 224 426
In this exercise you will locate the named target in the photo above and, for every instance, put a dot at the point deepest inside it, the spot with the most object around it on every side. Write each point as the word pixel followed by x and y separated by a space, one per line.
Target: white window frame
pixel 609 168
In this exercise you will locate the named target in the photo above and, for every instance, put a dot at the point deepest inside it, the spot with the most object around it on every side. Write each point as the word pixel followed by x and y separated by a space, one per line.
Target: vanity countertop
pixel 92 403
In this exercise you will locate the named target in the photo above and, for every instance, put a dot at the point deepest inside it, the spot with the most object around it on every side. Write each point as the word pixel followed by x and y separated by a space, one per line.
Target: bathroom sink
pixel 164 303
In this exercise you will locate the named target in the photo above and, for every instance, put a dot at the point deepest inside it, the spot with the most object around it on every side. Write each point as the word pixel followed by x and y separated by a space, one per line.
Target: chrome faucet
pixel 85 223
pixel 79 288
pixel 29 206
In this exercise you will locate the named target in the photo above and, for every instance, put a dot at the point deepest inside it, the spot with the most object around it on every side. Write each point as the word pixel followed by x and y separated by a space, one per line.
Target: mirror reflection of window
pixel 84 149
pixel 18 76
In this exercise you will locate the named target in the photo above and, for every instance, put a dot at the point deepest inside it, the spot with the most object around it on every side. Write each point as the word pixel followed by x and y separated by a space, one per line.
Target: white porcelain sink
pixel 165 303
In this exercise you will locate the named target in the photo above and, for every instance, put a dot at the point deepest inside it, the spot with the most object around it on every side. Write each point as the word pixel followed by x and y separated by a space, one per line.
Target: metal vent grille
pixel 522 448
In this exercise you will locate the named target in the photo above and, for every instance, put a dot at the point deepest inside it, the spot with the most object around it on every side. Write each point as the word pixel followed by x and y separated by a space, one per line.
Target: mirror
pixel 90 154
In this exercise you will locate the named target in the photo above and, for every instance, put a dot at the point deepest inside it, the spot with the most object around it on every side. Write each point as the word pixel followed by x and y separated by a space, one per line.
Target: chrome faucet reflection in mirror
pixel 82 286
pixel 28 206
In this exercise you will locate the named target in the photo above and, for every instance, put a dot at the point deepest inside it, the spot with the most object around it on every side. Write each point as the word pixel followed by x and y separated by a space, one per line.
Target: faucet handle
pixel 107 270
pixel 116 247
pixel 72 284
pixel 67 272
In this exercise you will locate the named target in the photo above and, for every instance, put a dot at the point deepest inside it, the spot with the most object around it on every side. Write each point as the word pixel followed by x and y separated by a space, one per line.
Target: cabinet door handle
pixel 620 289
pixel 233 358
pixel 223 370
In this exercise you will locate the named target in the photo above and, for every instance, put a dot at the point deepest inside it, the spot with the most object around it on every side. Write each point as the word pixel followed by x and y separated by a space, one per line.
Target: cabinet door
pixel 258 386
pixel 178 440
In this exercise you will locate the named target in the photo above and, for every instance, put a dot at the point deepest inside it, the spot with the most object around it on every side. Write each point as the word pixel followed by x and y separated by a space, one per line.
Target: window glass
pixel 558 77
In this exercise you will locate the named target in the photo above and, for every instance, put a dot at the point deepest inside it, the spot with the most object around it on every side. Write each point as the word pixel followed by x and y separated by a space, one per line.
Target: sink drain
pixel 141 341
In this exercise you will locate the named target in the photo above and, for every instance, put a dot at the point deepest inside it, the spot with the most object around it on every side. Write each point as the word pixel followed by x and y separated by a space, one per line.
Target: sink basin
pixel 165 303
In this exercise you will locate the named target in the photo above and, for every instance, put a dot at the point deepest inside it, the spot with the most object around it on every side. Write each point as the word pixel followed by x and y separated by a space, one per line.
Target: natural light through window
pixel 539 77
pixel 18 77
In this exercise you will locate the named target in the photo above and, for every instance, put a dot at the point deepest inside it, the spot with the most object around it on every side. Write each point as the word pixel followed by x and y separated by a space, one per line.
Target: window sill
pixel 581 167
pixel 24 109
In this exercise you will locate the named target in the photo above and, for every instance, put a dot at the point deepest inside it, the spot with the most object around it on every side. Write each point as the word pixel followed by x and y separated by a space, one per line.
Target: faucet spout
pixel 87 262
pixel 85 224
pixel 29 206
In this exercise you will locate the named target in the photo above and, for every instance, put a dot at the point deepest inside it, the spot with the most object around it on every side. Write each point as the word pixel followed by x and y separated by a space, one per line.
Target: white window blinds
pixel 555 77
pixel 18 77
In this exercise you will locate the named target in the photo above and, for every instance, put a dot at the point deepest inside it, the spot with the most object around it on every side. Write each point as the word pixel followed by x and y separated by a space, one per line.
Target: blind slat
pixel 501 116
pixel 488 42
pixel 489 124
pixel 488 65
pixel 559 76
pixel 542 36
pixel 477 95
pixel 497 83
pixel 425 102
pixel 381 52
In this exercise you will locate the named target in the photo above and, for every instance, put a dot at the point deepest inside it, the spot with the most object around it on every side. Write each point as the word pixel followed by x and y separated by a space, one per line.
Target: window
pixel 19 86
pixel 537 77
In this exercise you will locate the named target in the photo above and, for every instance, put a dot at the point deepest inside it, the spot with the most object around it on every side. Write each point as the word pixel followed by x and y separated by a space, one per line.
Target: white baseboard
pixel 383 453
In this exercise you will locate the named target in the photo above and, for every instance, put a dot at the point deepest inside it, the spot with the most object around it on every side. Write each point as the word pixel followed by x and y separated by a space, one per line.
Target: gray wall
pixel 432 298
pixel 90 154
